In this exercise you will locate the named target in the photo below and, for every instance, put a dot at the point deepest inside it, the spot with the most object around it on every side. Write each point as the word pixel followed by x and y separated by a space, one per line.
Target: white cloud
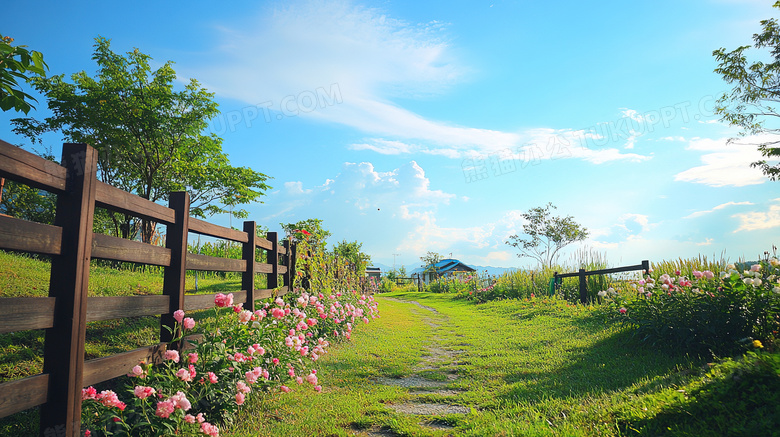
pixel 309 49
pixel 760 220
pixel 706 242
pixel 719 207
pixel 725 164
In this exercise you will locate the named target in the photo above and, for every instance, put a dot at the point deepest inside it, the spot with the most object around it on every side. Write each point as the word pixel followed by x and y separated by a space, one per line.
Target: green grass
pixel 530 368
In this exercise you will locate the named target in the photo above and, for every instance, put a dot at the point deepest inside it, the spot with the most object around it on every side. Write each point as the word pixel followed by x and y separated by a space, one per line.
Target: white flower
pixel 776 289
pixel 748 281
pixel 774 262
pixel 757 282
pixel 611 291
pixel 723 275
pixel 602 293
pixel 731 267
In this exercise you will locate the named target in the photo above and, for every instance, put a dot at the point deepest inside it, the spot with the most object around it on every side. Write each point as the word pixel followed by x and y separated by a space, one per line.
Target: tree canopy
pixel 352 251
pixel 149 136
pixel 546 235
pixel 311 230
pixel 17 63
pixel 751 104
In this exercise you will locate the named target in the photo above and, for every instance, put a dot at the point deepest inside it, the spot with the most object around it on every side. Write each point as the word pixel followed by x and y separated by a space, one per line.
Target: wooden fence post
pixel 646 266
pixel 173 280
pixel 286 263
pixel 273 259
pixel 63 351
pixel 248 253
pixel 291 264
pixel 583 287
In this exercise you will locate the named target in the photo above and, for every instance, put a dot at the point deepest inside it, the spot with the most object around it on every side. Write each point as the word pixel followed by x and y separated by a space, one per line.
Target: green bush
pixel 703 313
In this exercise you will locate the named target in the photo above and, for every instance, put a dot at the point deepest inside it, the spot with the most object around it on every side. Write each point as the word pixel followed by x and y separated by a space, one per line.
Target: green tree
pixel 351 251
pixel 311 230
pixel 429 262
pixel 17 63
pixel 546 235
pixel 752 102
pixel 149 136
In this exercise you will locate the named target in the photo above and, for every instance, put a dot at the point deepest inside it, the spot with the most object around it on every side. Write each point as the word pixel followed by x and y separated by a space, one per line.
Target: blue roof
pixel 445 266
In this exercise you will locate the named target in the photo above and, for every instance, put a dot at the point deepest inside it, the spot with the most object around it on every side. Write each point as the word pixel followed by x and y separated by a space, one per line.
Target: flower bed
pixel 241 354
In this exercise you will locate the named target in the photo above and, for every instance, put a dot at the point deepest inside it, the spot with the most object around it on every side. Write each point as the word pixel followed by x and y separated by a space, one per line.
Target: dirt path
pixel 431 377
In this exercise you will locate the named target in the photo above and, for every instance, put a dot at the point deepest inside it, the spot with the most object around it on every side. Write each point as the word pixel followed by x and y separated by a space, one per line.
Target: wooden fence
pixel 582 274
pixel 71 244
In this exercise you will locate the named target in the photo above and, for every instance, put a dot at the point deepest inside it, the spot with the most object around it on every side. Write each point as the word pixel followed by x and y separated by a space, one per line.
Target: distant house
pixel 374 272
pixel 443 268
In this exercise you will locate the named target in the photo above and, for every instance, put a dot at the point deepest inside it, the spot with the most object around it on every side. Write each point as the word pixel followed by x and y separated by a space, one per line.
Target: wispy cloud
pixel 303 46
pixel 725 164
pixel 719 207
pixel 760 220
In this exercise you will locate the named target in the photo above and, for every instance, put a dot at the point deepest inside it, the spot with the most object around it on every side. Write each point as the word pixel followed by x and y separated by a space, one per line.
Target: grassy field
pixel 530 368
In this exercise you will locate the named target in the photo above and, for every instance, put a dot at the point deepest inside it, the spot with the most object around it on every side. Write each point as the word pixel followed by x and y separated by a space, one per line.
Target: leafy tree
pixel 546 235
pixel 311 230
pixel 148 135
pixel 351 251
pixel 17 63
pixel 751 103
pixel 429 261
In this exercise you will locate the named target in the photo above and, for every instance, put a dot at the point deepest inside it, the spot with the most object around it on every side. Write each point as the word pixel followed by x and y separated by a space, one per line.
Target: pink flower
pixel 142 392
pixel 708 274
pixel 209 429
pixel 212 377
pixel 221 300
pixel 285 389
pixel 165 408
pixel 178 315
pixel 239 398
pixel 189 323
pixel 88 393
pixel 697 274
pixel 244 316
pixel 180 401
pixel 277 313
pixel 137 372
pixel 755 267
pixel 184 375
pixel 318 388
pixel 110 399
pixel 190 418
pixel 243 388
pixel 192 358
pixel 172 355
pixel 200 418
pixel 622 310
pixel 299 380
pixel 275 360
pixel 311 378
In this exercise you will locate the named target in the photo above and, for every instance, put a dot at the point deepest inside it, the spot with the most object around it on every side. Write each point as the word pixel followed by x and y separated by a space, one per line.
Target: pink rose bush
pixel 241 354
pixel 701 311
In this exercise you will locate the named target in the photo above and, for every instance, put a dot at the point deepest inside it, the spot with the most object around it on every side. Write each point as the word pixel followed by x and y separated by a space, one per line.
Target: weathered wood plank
pixel 119 307
pixel 121 201
pixel 24 313
pixel 206 228
pixel 119 249
pixel 213 263
pixel 20 165
pixel 193 302
pixel 103 369
pixel 17 234
pixel 264 244
pixel 272 280
pixel 174 277
pixel 263 268
pixel 282 269
pixel 23 393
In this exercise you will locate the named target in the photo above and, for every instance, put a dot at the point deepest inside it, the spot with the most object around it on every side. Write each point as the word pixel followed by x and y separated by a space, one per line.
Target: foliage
pixel 547 235
pixel 702 313
pixel 148 135
pixel 310 230
pixel 430 260
pixel 751 103
pixel 240 355
pixel 17 63
pixel 351 251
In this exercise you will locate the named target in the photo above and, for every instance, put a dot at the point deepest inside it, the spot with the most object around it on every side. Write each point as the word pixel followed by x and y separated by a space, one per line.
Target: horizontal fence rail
pixel 582 274
pixel 71 244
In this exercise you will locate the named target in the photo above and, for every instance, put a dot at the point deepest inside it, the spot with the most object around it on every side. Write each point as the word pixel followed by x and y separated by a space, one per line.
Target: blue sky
pixel 431 126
